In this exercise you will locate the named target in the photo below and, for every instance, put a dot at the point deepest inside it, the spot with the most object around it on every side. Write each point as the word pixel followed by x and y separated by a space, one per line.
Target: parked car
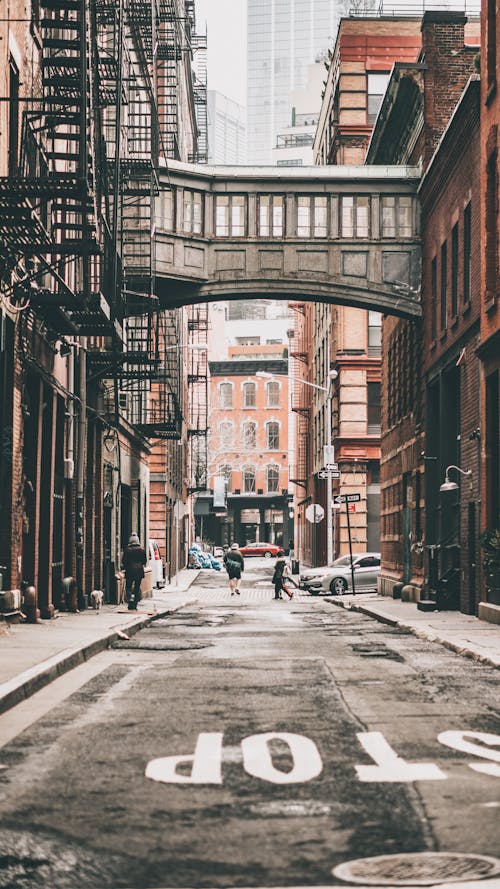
pixel 260 549
pixel 337 578
pixel 156 564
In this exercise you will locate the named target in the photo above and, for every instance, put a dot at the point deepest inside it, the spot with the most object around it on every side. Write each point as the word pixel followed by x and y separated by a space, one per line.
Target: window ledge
pixel 454 322
pixel 491 92
pixel 490 304
pixel 442 336
pixel 466 309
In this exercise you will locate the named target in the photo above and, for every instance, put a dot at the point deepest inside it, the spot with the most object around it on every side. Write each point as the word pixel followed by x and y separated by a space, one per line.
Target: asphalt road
pixel 247 742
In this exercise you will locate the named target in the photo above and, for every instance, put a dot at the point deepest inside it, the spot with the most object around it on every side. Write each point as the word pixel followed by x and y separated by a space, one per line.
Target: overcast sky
pixel 226 24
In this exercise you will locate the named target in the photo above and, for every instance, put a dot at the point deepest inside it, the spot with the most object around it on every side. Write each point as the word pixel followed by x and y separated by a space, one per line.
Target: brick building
pixel 489 345
pixel 430 411
pixel 248 447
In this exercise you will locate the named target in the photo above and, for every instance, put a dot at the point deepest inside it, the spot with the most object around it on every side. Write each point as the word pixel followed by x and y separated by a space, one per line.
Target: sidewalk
pixel 32 655
pixel 462 633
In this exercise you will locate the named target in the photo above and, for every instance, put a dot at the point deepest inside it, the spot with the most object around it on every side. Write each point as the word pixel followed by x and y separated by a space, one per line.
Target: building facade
pixel 226 130
pixel 283 39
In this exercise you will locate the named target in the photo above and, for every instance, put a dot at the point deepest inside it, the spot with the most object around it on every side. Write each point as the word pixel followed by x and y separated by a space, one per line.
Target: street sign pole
pixel 350 545
pixel 329 534
pixel 315 535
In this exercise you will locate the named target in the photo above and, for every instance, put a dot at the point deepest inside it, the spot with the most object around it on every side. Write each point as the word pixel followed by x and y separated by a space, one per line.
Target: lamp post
pixel 448 485
pixel 333 374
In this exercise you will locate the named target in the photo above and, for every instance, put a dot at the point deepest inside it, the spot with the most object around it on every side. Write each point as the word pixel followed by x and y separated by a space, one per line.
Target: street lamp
pixel 332 375
pixel 449 485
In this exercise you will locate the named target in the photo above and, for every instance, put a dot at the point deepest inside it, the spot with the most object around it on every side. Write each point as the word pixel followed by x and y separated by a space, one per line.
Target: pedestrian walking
pixel 281 573
pixel 235 565
pixel 134 560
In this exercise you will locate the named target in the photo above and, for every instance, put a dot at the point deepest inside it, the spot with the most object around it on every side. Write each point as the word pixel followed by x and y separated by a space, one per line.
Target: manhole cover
pixel 417 869
pixel 159 645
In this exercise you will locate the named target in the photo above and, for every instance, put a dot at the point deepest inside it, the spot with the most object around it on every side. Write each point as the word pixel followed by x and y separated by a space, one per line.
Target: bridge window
pixel 273 479
pixel 248 394
pixel 249 479
pixel 271 216
pixel 355 217
pixel 226 395
pixel 226 434
pixel 273 393
pixel 192 221
pixel 250 436
pixel 396 217
pixel 312 216
pixel 230 216
pixel 273 436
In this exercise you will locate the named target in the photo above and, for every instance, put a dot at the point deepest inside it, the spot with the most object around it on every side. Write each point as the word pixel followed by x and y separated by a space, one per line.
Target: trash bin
pixel 295 566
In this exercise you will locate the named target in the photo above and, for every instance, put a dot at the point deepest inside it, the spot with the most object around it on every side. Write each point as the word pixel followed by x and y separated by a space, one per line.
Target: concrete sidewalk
pixel 462 633
pixel 32 655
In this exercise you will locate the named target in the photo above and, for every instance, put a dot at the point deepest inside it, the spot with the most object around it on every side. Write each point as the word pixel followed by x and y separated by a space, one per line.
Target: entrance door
pixel 406 529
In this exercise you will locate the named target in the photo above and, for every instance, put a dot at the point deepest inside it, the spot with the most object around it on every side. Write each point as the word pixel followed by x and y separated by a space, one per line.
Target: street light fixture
pixel 332 375
pixel 449 485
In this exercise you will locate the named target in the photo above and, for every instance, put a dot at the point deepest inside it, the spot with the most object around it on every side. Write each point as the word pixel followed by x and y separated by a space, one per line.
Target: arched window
pixel 226 434
pixel 227 472
pixel 226 394
pixel 273 436
pixel 250 435
pixel 248 394
pixel 273 479
pixel 273 393
pixel 249 479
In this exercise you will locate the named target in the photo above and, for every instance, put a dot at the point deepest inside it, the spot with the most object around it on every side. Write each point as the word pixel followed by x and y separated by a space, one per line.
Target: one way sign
pixel 347 498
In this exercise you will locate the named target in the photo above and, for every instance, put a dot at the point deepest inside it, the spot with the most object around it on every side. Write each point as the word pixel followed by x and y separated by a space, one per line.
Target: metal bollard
pixel 30 605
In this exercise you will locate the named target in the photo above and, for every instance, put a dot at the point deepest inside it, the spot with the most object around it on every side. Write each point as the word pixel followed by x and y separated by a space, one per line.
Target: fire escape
pixel 198 396
pixel 300 397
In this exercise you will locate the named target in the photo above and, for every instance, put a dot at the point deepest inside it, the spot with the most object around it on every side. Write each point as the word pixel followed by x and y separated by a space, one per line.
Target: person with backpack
pixel 235 565
pixel 134 560
pixel 281 571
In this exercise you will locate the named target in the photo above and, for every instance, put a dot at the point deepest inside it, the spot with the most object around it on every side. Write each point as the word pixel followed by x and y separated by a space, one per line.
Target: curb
pixel 30 681
pixel 419 633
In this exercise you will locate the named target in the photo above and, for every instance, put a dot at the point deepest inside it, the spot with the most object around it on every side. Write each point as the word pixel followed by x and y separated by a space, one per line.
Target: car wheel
pixel 338 586
pixel 268 555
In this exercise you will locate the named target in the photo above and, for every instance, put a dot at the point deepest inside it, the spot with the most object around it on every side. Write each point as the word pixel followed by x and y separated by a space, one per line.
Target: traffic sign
pixel 325 473
pixel 333 467
pixel 314 512
pixel 347 498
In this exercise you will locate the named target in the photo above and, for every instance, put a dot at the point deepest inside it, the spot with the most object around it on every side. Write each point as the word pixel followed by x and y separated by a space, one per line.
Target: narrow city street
pixel 250 742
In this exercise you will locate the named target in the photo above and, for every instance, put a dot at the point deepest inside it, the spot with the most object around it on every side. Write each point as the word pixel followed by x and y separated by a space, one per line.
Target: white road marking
pixel 390 767
pixel 257 760
pixel 206 763
pixel 459 741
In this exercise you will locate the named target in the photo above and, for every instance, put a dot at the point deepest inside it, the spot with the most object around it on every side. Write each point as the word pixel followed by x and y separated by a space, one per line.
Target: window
pixel 273 393
pixel 491 42
pixel 373 408
pixel 273 436
pixel 226 434
pixel 467 253
pixel 273 479
pixel 230 213
pixel 249 479
pixel 491 226
pixel 226 395
pixel 312 217
pixel 374 333
pixel 355 217
pixel 13 149
pixel 444 281
pixel 377 84
pixel 454 271
pixel 248 394
pixel 397 217
pixel 250 435
pixel 271 216
pixel 192 213
pixel 434 298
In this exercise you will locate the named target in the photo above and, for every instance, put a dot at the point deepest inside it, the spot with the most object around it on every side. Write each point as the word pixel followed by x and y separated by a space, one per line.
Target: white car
pixel 337 578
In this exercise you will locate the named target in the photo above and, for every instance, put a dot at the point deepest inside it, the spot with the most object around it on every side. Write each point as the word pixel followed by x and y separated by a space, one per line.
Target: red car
pixel 260 549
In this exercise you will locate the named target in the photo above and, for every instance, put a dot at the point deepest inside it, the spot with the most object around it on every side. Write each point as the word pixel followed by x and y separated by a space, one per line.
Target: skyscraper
pixel 284 37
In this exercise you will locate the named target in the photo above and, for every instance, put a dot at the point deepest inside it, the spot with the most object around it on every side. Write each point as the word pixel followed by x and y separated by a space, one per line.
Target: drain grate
pixel 417 869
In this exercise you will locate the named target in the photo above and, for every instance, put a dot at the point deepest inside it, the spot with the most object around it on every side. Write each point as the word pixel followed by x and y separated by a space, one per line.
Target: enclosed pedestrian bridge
pixel 346 235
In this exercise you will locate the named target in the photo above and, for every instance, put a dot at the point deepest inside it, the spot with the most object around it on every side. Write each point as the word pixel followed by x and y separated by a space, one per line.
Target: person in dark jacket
pixel 134 560
pixel 280 572
pixel 235 565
